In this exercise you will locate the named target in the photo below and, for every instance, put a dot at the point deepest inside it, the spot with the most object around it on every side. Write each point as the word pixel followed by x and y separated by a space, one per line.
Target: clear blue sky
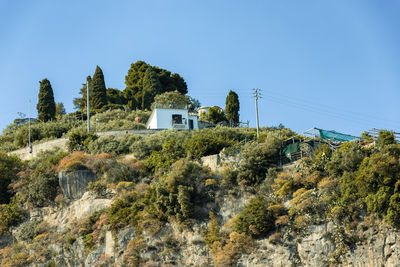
pixel 332 64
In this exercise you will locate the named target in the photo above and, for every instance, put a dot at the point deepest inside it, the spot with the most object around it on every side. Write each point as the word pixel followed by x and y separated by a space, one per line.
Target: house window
pixel 176 119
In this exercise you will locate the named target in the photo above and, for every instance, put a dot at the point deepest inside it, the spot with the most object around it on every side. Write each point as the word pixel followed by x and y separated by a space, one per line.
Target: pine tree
pixel 98 97
pixel 81 102
pixel 60 110
pixel 46 106
pixel 232 107
pixel 151 88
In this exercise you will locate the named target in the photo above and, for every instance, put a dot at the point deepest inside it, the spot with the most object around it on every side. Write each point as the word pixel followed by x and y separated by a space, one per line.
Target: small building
pixel 175 116
pixel 203 111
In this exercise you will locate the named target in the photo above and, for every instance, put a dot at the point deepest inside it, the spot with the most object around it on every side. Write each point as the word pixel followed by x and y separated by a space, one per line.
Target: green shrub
pixel 9 167
pixel 113 145
pixel 79 140
pixel 125 211
pixel 256 159
pixel 255 220
pixel 393 212
pixel 347 158
pixel 385 138
pixel 160 161
pixel 38 185
pixel 10 215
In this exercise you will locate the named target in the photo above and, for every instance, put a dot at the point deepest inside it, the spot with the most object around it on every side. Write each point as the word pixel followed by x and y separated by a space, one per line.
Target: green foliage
pixel 181 190
pixel 393 212
pixel 46 106
pixel 113 145
pixel 10 215
pixel 151 88
pixel 9 167
pixel 98 97
pixel 80 103
pixel 232 107
pixel 171 98
pixel 385 138
pixel 125 211
pixel 38 184
pixel 257 159
pixel 161 160
pixel 79 140
pixel 215 115
pixel 213 233
pixel 29 230
pixel 321 157
pixel 347 158
pixel 119 120
pixel 255 220
pixel 60 110
pixel 204 143
pixel 115 96
pixel 135 82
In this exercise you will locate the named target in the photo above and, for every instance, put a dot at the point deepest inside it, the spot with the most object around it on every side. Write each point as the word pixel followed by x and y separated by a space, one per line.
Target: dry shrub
pixel 282 220
pixel 276 209
pixel 74 161
pixel 301 221
pixel 235 246
pixel 275 238
pixel 131 256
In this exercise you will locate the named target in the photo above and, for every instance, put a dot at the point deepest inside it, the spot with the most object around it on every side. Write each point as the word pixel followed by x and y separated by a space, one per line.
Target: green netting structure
pixel 333 135
pixel 291 148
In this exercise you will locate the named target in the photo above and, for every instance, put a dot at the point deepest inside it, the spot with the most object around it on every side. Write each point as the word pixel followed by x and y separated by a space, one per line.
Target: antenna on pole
pixel 88 107
pixel 256 96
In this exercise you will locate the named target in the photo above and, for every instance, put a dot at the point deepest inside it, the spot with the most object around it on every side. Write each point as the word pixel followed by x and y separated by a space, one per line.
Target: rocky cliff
pixel 173 244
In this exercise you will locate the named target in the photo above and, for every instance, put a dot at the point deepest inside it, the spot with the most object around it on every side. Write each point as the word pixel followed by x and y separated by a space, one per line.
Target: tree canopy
pixel 151 88
pixel 232 107
pixel 46 105
pixel 98 98
pixel 135 81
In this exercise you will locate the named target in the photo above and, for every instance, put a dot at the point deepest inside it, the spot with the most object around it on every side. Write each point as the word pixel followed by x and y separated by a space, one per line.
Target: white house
pixel 172 117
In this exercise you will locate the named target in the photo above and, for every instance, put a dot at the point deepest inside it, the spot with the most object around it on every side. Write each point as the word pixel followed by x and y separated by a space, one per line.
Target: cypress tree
pixel 46 105
pixel 98 97
pixel 151 88
pixel 232 107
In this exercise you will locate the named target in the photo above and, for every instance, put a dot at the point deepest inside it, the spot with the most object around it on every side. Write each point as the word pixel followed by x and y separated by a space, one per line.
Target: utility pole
pixel 256 96
pixel 88 108
pixel 29 126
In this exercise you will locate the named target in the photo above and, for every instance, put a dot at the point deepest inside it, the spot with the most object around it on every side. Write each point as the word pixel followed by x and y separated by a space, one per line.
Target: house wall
pixel 195 123
pixel 164 118
pixel 153 120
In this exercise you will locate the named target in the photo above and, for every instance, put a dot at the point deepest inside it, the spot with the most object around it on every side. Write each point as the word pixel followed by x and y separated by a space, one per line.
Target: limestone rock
pixel 74 184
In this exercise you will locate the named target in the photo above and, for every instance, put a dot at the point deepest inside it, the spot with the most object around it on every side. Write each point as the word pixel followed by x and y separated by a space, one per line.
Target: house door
pixel 190 124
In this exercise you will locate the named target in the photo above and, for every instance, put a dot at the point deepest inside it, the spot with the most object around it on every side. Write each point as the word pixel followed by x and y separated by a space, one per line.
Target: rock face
pixel 74 184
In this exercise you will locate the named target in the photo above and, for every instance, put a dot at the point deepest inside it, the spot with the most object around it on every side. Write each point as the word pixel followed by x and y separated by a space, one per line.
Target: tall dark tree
pixel 98 98
pixel 135 82
pixel 81 102
pixel 232 107
pixel 46 105
pixel 151 88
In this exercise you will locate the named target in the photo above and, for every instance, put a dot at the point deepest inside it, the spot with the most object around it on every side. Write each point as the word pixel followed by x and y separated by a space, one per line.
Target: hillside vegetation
pixel 163 183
